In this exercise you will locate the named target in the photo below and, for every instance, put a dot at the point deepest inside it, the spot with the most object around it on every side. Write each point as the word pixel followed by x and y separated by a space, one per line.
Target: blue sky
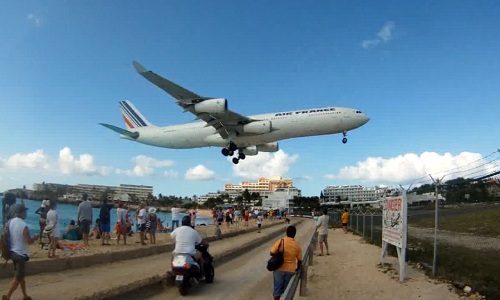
pixel 427 74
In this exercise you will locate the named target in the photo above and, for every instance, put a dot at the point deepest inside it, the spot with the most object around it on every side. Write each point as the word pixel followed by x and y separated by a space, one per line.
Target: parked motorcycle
pixel 186 271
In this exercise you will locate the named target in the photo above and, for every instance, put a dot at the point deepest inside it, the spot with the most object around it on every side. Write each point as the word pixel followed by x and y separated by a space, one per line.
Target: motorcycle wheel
pixel 183 289
pixel 209 274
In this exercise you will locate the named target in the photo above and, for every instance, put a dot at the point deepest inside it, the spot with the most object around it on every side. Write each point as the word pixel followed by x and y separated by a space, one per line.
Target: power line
pixel 427 181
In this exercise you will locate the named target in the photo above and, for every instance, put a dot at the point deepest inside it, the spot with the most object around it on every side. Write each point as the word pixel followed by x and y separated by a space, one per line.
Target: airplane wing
pixel 225 123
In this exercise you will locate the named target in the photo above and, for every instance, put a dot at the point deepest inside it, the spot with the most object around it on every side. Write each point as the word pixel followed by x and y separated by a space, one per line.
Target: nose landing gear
pixel 344 140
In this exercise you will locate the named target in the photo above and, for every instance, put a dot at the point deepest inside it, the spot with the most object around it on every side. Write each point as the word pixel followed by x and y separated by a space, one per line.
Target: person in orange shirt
pixel 345 220
pixel 292 254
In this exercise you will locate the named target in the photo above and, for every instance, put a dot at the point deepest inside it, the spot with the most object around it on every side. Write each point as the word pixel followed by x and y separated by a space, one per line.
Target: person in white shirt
pixel 121 226
pixel 19 240
pixel 186 238
pixel 55 232
pixel 175 217
pixel 322 227
pixel 259 221
pixel 141 221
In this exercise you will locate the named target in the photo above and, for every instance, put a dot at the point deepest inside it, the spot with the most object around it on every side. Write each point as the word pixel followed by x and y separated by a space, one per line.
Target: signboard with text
pixel 392 221
pixel 394 228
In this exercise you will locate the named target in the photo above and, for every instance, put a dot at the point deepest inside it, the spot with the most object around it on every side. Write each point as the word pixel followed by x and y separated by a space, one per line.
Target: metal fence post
pixel 364 226
pixel 371 228
pixel 357 222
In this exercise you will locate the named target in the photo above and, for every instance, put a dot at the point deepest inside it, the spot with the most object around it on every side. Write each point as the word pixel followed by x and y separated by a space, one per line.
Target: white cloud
pixel 386 32
pixel 383 36
pixel 199 173
pixel 409 167
pixel 144 166
pixel 265 165
pixel 84 164
pixel 35 19
pixel 170 174
pixel 36 161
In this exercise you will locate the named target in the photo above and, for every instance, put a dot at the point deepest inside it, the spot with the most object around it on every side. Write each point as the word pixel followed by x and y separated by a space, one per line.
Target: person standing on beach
pixel 259 221
pixel 20 238
pixel 153 223
pixel 175 217
pixel 105 218
pixel 246 217
pixel 121 224
pixel 141 222
pixel 42 212
pixel 84 217
pixel 292 261
pixel 322 227
pixel 193 218
pixel 345 220
pixel 55 232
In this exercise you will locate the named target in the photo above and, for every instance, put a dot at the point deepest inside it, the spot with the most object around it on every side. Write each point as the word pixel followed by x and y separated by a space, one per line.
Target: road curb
pixel 155 279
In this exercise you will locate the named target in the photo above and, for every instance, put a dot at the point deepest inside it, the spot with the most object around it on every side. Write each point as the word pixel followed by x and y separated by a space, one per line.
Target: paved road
pixel 245 277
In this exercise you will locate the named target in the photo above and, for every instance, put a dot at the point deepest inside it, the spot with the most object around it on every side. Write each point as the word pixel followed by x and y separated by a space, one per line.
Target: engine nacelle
pixel 269 147
pixel 211 106
pixel 254 150
pixel 258 127
pixel 250 150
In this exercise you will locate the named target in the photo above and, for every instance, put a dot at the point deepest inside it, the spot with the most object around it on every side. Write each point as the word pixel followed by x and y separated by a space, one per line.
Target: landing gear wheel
pixel 344 140
pixel 231 152
pixel 225 151
pixel 235 160
pixel 232 146
pixel 241 155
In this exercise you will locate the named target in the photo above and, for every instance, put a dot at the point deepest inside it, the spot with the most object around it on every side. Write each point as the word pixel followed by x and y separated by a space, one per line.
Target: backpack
pixel 5 242
pixel 104 214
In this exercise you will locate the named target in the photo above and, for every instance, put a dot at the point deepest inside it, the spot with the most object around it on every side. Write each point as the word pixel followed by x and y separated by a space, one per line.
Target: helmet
pixel 186 221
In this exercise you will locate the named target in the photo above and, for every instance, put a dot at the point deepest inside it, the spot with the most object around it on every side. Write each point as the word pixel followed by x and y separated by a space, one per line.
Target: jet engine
pixel 257 127
pixel 254 150
pixel 269 147
pixel 211 106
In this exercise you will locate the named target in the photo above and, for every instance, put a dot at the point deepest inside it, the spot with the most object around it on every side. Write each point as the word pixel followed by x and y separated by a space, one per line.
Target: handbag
pixel 277 258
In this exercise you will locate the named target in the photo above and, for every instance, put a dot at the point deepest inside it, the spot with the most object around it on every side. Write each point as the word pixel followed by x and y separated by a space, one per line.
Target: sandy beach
pixel 76 248
pixel 352 272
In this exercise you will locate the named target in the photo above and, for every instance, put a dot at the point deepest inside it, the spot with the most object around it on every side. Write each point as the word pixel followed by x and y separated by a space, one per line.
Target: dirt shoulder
pixel 351 272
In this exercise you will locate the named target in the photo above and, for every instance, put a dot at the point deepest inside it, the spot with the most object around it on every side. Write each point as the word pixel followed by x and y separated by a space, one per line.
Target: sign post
pixel 394 228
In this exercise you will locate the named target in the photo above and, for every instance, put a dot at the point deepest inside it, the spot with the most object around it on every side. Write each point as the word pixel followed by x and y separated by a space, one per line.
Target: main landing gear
pixel 344 140
pixel 230 150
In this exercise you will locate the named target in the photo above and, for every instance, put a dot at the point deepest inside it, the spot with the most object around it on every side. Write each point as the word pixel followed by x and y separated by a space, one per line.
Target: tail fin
pixel 132 117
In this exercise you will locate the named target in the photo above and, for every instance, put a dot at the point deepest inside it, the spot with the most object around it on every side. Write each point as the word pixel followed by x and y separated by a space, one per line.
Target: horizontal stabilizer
pixel 130 134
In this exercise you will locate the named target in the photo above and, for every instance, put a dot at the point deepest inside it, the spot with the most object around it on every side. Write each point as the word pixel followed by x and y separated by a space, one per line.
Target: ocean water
pixel 67 212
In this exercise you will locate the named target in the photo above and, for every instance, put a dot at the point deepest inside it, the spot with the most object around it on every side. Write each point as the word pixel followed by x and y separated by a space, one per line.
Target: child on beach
pixel 259 221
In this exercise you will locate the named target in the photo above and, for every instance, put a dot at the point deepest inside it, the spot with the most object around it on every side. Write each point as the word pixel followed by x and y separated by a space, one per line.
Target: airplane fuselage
pixel 285 125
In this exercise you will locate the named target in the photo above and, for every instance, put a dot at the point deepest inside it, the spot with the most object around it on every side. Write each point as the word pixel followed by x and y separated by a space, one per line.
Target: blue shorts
pixel 280 282
pixel 105 227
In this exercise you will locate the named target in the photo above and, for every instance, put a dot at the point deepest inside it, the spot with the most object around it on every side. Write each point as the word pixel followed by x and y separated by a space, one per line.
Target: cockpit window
pixel 358 112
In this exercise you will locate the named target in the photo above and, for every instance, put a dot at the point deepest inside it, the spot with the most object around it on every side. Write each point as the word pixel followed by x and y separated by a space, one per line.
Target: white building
pixel 353 193
pixel 281 198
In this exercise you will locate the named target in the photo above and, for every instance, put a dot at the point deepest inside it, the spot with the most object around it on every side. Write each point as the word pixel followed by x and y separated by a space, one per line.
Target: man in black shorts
pixel 19 240
pixel 84 217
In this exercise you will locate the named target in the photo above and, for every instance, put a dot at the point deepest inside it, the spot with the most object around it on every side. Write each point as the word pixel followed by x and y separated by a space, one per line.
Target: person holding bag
pixel 291 262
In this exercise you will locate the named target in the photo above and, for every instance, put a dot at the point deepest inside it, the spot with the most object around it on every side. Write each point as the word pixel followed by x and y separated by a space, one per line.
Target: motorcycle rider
pixel 186 238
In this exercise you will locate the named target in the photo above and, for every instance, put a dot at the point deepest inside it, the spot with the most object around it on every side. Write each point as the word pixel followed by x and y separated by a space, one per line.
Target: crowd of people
pixel 147 224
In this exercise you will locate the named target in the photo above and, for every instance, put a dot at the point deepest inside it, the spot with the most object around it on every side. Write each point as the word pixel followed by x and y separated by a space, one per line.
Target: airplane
pixel 221 127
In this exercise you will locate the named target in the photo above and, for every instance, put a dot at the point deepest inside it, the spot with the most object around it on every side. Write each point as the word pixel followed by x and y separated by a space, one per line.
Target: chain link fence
pixel 468 241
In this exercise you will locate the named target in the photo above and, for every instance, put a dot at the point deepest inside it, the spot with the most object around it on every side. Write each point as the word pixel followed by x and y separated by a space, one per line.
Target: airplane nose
pixel 365 119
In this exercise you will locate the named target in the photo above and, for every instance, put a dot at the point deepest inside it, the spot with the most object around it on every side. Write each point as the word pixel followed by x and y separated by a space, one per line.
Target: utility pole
pixel 436 214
